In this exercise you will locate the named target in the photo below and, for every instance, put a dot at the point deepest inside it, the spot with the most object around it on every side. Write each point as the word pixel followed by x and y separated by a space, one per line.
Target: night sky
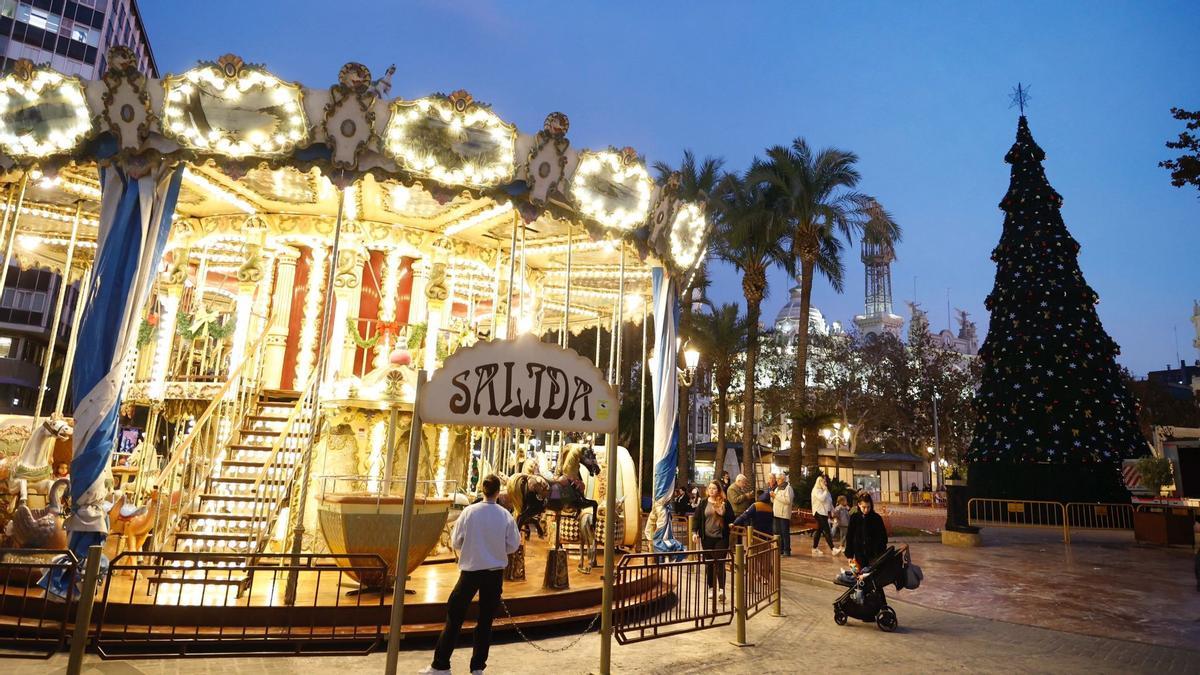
pixel 918 90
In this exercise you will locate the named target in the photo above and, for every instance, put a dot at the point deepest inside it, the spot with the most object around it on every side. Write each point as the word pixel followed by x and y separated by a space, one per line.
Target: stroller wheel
pixel 839 617
pixel 886 620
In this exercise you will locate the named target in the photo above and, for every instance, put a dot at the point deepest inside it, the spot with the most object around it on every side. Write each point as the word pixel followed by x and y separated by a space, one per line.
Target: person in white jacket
pixel 782 497
pixel 822 506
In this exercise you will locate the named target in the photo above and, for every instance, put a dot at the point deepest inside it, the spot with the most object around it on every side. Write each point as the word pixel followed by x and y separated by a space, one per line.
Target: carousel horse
pixel 32 466
pixel 131 524
pixel 527 495
pixel 567 492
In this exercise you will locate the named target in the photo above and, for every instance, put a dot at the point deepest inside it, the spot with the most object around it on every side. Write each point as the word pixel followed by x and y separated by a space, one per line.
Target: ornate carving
pixel 460 99
pixel 126 101
pixel 349 268
pixel 350 115
pixel 545 168
pixel 435 290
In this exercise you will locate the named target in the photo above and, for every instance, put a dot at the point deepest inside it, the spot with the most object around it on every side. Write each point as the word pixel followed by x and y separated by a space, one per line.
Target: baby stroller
pixel 864 598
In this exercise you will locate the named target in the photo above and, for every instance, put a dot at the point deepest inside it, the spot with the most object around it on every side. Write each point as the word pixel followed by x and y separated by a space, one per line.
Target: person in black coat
pixel 866 538
pixel 710 527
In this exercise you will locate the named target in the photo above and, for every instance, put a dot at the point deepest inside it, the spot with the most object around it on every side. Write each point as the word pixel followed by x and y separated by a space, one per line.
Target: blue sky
pixel 918 90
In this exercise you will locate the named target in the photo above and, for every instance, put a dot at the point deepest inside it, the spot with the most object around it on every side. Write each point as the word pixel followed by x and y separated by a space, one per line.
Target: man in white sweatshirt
pixel 484 535
pixel 782 498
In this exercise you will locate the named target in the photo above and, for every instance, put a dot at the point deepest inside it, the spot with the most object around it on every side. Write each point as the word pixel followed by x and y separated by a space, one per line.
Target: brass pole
pixel 306 462
pixel 610 502
pixel 642 411
pixel 85 287
pixel 12 231
pixel 63 284
pixel 406 518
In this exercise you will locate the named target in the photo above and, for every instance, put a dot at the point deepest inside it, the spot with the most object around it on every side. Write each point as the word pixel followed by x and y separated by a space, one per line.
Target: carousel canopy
pixel 275 161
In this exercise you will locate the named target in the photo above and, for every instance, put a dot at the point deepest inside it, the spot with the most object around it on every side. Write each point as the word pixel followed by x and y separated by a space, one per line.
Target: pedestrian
pixel 760 515
pixel 866 536
pixel 840 521
pixel 710 527
pixel 781 503
pixel 740 494
pixel 822 506
pixel 725 481
pixel 484 535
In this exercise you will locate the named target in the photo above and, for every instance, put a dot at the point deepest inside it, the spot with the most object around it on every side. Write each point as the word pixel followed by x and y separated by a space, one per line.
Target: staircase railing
pixel 279 474
pixel 192 459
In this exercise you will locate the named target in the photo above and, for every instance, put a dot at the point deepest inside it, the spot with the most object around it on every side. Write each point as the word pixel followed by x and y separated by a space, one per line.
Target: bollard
pixel 83 614
pixel 739 595
pixel 777 606
pixel 687 538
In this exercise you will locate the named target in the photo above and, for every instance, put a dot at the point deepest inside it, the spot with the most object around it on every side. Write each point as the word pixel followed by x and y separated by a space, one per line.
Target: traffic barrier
pixel 1018 513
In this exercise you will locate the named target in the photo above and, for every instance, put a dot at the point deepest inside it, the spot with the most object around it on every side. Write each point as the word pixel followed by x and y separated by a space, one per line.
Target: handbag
pixel 912 572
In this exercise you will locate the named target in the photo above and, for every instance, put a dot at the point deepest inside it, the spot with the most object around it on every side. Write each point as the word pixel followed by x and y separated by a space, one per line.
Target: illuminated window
pixel 79 34
pixel 5 346
pixel 40 18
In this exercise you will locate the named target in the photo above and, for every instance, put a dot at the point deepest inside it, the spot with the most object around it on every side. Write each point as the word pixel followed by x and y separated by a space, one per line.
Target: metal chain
pixel 536 645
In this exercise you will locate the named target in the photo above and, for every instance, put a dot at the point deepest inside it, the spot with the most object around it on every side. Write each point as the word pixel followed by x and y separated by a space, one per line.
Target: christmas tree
pixel 1055 418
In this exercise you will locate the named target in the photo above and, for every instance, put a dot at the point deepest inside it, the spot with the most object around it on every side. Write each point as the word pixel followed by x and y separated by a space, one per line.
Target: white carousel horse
pixel 32 467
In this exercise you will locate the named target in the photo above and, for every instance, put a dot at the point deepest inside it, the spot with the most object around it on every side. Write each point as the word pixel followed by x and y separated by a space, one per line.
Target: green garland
pixel 359 340
pixel 416 336
pixel 216 331
pixel 146 333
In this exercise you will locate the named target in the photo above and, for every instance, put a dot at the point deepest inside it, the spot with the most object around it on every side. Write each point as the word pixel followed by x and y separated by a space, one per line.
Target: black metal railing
pixel 33 623
pixel 174 604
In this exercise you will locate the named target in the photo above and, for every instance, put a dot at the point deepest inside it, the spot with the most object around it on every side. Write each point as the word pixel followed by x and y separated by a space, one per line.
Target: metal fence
pixel 923 498
pixel 762 572
pixel 174 604
pixel 35 624
pixel 697 581
pixel 706 588
pixel 1033 514
pixel 1082 516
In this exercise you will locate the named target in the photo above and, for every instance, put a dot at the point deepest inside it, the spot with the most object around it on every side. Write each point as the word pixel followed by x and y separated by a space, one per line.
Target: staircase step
pixel 187 534
pixel 217 497
pixel 267 418
pixel 218 516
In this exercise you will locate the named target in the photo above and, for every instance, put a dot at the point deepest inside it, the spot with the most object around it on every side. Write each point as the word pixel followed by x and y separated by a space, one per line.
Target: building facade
pixel 72 37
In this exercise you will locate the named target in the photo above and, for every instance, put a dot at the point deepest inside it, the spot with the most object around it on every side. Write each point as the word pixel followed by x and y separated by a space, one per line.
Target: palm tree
pixel 720 335
pixel 814 194
pixel 749 236
pixel 698 182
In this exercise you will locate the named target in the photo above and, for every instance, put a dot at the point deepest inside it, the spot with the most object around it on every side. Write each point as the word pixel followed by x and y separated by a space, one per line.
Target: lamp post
pixel 937 445
pixel 839 435
pixel 687 375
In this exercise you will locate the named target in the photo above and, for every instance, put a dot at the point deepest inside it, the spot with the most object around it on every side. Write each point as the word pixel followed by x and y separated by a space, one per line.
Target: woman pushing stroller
pixel 866 538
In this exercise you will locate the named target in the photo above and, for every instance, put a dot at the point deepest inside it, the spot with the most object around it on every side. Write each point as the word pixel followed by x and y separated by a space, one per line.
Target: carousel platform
pixel 138 612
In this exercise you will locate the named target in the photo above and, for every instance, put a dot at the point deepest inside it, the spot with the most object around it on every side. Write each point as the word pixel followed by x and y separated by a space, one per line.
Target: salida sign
pixel 522 383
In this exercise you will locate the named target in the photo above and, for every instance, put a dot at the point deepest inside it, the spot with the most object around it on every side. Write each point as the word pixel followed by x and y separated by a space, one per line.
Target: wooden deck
pixel 135 610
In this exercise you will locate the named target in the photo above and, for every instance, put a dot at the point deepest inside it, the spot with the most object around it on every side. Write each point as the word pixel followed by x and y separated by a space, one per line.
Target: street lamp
pixel 839 435
pixel 937 445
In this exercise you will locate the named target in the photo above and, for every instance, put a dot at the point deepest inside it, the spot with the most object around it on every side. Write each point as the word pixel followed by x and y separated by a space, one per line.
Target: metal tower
pixel 877 314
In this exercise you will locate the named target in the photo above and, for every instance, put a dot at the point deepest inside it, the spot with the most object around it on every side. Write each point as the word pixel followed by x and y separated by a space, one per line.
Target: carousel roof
pixel 441 173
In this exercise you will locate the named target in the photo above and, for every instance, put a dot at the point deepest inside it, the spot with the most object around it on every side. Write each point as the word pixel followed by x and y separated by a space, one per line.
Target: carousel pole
pixel 15 212
pixel 566 330
pixel 610 502
pixel 85 286
pixel 642 410
pixel 306 462
pixel 63 284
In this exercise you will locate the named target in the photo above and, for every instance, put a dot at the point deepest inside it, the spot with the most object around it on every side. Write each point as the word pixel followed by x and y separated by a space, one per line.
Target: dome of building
pixel 788 318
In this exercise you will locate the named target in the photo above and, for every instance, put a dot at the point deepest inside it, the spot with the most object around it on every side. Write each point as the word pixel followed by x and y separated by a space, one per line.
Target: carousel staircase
pixel 244 494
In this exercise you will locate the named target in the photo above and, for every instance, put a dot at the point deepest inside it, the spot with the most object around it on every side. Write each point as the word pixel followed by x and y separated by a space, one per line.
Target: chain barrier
pixel 538 647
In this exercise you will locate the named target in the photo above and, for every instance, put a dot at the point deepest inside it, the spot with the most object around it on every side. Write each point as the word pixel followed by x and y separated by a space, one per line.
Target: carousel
pixel 257 271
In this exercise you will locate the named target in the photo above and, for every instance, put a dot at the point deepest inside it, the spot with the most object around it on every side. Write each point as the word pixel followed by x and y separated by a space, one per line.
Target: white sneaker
pixel 817 553
pixel 837 550
pixel 430 670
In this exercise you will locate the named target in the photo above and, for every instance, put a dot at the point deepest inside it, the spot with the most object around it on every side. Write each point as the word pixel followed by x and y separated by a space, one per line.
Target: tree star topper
pixel 1020 97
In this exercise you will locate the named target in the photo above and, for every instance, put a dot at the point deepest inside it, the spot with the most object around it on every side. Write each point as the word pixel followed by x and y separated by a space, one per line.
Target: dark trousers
pixel 488 584
pixel 715 551
pixel 822 528
pixel 783 528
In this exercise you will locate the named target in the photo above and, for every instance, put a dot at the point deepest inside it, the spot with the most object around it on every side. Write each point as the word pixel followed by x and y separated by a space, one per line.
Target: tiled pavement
pixel 1102 584
pixel 929 640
